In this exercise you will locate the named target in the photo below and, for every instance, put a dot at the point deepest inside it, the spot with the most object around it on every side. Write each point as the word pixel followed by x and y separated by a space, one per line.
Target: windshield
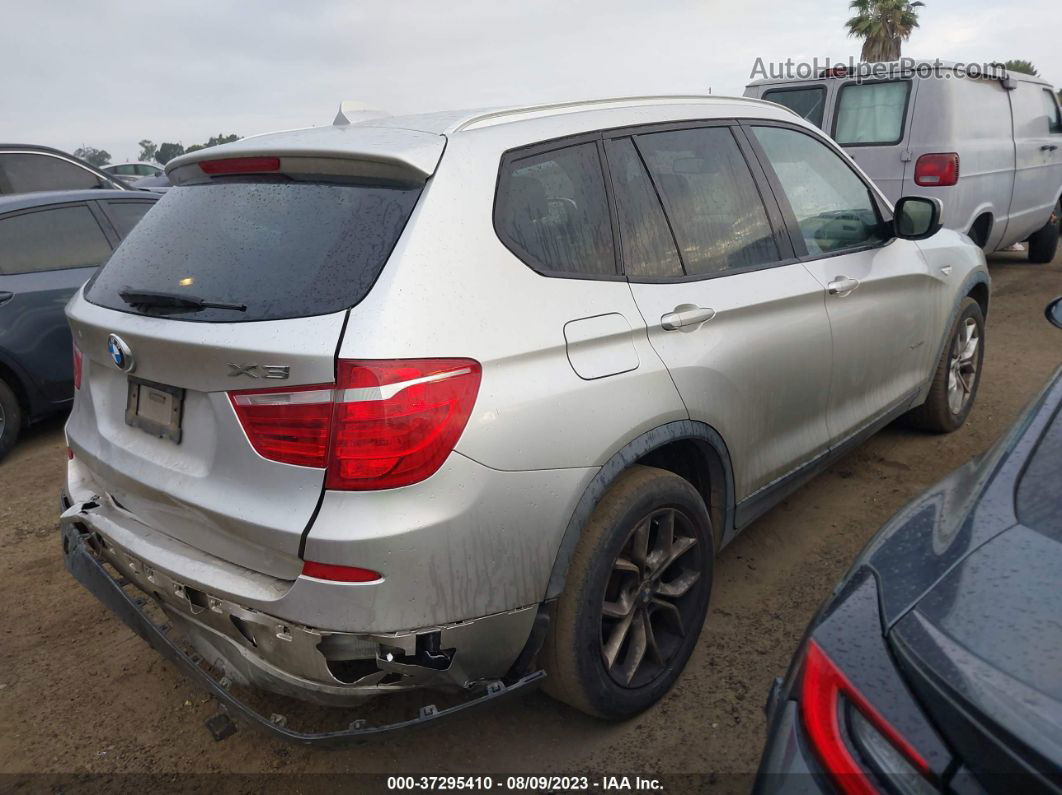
pixel 281 249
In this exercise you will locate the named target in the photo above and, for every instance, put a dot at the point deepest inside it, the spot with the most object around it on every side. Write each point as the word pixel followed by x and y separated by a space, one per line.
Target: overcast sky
pixel 107 73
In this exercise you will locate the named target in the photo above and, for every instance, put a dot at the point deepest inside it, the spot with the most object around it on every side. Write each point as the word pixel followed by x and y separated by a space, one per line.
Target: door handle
pixel 5 296
pixel 688 316
pixel 1048 147
pixel 842 286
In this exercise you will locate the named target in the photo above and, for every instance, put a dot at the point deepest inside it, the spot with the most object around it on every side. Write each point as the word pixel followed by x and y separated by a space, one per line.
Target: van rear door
pixel 871 121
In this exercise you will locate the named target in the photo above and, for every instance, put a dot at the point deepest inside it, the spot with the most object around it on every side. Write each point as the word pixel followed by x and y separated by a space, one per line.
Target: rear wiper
pixel 193 303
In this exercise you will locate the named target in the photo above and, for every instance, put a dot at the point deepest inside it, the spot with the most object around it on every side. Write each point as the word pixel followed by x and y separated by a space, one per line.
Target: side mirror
pixel 1054 312
pixel 917 217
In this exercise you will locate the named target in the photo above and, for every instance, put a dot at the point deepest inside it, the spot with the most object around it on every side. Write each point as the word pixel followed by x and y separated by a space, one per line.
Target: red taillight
pixel 240 165
pixel 328 571
pixel 395 422
pixel 69 454
pixel 77 368
pixel 384 424
pixel 821 692
pixel 937 170
pixel 287 425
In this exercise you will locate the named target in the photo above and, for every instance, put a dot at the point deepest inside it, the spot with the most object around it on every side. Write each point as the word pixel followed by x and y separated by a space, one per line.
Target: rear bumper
pixel 787 766
pixel 251 646
pixel 84 563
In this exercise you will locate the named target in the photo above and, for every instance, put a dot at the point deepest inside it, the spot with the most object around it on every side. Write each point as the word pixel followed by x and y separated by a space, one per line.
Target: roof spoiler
pixel 352 111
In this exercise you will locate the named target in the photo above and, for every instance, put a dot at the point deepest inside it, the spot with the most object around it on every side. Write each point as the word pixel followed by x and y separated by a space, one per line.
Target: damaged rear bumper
pixel 85 558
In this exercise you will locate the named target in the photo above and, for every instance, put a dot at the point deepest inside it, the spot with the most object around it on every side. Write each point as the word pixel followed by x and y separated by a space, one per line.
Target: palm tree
pixel 1018 65
pixel 883 25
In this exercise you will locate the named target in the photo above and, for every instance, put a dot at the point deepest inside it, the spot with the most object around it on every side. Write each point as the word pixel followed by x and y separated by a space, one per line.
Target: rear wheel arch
pixel 981 229
pixel 693 450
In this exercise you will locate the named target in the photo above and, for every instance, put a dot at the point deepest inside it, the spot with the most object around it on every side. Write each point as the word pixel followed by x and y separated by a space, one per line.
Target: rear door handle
pixel 842 286
pixel 688 316
pixel 5 296
pixel 1048 147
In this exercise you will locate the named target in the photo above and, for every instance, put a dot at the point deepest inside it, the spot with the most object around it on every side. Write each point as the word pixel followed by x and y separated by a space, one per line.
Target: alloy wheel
pixel 651 597
pixel 962 365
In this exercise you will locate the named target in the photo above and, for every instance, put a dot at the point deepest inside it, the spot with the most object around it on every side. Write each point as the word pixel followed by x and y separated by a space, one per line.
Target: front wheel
pixel 958 374
pixel 635 597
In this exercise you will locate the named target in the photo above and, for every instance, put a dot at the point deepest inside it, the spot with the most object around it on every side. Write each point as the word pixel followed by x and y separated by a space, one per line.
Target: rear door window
pixel 871 113
pixel 831 204
pixel 552 212
pixel 125 215
pixel 282 249
pixel 26 173
pixel 649 249
pixel 51 239
pixel 715 209
pixel 809 103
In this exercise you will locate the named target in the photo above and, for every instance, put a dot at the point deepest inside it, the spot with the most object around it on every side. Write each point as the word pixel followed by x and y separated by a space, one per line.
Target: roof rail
pixel 573 105
pixel 352 111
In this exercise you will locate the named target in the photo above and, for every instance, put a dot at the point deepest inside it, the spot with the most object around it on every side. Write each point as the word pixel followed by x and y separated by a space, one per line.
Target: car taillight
pixel 77 368
pixel 937 170
pixel 383 424
pixel 829 702
pixel 330 571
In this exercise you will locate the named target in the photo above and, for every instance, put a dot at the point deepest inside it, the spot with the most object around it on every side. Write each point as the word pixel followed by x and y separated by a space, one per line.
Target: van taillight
pixel 77 367
pixel 383 424
pixel 829 703
pixel 937 170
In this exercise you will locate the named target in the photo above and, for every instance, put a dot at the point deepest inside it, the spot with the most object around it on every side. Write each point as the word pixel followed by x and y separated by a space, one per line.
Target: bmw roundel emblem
pixel 120 353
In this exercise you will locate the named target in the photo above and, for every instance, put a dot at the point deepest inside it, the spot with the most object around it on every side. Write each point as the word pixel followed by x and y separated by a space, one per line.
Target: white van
pixel 990 148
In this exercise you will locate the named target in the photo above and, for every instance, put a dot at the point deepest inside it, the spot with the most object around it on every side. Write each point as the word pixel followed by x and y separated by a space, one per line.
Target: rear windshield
pixel 808 102
pixel 280 249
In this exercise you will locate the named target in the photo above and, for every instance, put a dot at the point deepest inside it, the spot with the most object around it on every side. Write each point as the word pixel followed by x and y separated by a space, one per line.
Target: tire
pixel 10 419
pixel 945 410
pixel 606 573
pixel 1043 244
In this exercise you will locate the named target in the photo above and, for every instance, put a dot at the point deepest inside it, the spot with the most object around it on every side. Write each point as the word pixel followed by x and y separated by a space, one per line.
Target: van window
pixel 553 214
pixel 648 247
pixel 1054 118
pixel 809 103
pixel 832 205
pixel 871 113
pixel 282 249
pixel 52 239
pixel 715 209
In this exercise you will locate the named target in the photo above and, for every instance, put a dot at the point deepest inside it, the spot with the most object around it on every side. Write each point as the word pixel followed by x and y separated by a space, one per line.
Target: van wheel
pixel 957 376
pixel 635 598
pixel 10 419
pixel 1043 244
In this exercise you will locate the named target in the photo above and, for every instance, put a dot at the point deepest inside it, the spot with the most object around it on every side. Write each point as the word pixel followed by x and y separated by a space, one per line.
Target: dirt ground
pixel 80 693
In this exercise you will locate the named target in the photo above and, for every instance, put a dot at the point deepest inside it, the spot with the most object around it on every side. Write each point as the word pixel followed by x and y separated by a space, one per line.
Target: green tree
pixel 882 25
pixel 167 151
pixel 147 150
pixel 1018 65
pixel 90 154
pixel 215 140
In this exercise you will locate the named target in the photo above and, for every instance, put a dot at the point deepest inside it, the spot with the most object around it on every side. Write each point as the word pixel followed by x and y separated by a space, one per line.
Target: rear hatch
pixel 240 278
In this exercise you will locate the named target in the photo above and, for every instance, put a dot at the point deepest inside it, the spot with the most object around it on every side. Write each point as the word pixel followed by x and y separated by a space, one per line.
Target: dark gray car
pixel 50 244
pixel 937 664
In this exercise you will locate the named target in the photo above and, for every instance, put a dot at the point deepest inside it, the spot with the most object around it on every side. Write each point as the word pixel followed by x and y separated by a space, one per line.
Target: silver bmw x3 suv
pixel 454 399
